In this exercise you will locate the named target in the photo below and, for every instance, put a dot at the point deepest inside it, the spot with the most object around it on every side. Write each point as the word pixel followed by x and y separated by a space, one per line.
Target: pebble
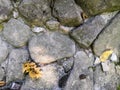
pixel 97 61
pixel 15 14
pixel 38 29
pixel 113 57
pixel 105 66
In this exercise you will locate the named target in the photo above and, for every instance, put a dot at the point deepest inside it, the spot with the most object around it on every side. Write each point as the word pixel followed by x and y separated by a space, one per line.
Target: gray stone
pixel 50 46
pixel 87 33
pixel 109 38
pixel 67 12
pixel 53 25
pixel 3 50
pixel 15 13
pixel 48 81
pixel 65 29
pixel 81 77
pixel 14 64
pixel 2 73
pixel 114 58
pixel 5 9
pixel 38 29
pixel 68 64
pixel 16 32
pixel 105 80
pixel 36 11
pixel 94 7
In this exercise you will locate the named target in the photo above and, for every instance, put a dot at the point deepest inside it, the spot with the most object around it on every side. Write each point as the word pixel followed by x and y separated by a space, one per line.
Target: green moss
pixel 95 7
pixel 1 27
pixel 118 87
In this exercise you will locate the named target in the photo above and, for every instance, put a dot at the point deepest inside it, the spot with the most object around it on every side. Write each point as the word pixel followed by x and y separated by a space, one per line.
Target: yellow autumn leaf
pixel 2 83
pixel 31 69
pixel 35 73
pixel 28 66
pixel 105 55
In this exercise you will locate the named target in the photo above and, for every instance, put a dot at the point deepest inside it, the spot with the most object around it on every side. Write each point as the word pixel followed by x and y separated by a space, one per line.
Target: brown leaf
pixel 32 69
pixel 2 83
pixel 84 16
pixel 35 73
pixel 27 66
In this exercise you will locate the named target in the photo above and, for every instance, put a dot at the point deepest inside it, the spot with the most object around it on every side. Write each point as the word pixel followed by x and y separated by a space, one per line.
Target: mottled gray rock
pixel 94 7
pixel 3 50
pixel 16 32
pixel 81 77
pixel 65 29
pixel 105 80
pixel 48 81
pixel 53 25
pixel 87 33
pixel 50 46
pixel 109 38
pixel 14 64
pixel 36 11
pixel 5 9
pixel 2 73
pixel 68 64
pixel 67 12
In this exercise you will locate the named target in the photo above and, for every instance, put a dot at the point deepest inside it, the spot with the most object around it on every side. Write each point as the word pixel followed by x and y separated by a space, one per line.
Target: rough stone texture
pixel 68 64
pixel 2 73
pixel 94 7
pixel 16 32
pixel 81 64
pixel 53 25
pixel 48 81
pixel 3 50
pixel 5 9
pixel 14 64
pixel 67 12
pixel 50 46
pixel 105 80
pixel 109 38
pixel 65 29
pixel 36 11
pixel 87 33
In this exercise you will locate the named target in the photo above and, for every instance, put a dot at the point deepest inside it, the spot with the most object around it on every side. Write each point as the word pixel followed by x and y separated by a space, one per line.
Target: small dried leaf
pixel 32 69
pixel 27 66
pixel 105 55
pixel 2 83
pixel 35 73
pixel 84 16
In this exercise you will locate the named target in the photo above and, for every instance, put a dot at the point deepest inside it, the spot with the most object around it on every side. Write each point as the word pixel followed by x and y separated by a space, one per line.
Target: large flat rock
pixel 16 32
pixel 14 64
pixel 109 38
pixel 94 7
pixel 51 46
pixel 85 34
pixel 48 80
pixel 67 12
pixel 106 80
pixel 37 12
pixel 81 77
